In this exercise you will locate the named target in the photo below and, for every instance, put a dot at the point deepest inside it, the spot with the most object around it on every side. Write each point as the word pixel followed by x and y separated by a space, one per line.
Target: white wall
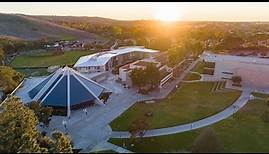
pixel 91 69
pixel 122 74
pixel 253 75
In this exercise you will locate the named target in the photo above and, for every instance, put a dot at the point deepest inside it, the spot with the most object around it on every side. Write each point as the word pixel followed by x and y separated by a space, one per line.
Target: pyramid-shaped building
pixel 68 89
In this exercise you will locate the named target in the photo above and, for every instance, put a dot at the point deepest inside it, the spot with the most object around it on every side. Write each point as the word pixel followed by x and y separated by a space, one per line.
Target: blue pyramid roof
pixel 65 88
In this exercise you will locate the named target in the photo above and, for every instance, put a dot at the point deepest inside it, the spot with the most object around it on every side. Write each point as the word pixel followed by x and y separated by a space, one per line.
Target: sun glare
pixel 168 13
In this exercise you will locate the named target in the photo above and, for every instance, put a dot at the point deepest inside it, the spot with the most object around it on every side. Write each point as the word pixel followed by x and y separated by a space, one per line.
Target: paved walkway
pixel 239 103
pixel 107 146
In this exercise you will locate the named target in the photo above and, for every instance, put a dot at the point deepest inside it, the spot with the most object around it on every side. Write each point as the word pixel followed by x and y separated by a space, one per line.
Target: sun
pixel 168 13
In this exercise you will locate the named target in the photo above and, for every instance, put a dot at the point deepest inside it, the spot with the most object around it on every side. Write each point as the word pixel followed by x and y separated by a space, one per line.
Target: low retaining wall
pixel 100 77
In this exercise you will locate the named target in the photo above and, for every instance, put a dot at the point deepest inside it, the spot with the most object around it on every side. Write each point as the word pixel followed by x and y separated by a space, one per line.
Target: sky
pixel 213 11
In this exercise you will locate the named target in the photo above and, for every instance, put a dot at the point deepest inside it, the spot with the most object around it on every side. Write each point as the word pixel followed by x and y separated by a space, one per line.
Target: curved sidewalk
pixel 238 104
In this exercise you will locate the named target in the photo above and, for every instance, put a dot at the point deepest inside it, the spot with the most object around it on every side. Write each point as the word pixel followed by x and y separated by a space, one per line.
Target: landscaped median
pixel 191 102
pixel 246 131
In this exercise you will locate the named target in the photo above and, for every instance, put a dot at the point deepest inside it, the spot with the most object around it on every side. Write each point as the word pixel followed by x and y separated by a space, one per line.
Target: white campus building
pixel 254 71
pixel 107 61
pixel 125 71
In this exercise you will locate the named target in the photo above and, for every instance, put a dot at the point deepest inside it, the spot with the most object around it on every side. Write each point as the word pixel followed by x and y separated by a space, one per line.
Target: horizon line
pixel 141 19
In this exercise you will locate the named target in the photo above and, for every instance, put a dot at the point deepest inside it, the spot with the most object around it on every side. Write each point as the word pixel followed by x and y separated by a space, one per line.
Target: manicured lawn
pixel 260 95
pixel 192 76
pixel 48 59
pixel 33 72
pixel 191 102
pixel 243 132
pixel 199 67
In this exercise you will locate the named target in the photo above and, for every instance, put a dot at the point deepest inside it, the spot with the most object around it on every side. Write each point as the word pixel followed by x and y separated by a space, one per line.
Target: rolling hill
pixel 28 28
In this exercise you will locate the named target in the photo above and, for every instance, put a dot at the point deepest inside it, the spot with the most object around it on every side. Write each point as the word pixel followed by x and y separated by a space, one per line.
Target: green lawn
pixel 48 59
pixel 191 102
pixel 33 72
pixel 192 76
pixel 199 67
pixel 243 132
pixel 260 95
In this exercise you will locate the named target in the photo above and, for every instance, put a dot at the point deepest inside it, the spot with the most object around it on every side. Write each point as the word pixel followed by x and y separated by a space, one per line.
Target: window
pixel 228 73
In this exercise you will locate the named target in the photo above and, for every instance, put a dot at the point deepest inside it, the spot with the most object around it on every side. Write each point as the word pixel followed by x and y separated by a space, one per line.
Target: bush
pixel 9 79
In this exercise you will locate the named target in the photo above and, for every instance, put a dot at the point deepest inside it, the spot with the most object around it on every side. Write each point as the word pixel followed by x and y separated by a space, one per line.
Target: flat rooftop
pixel 207 56
pixel 101 58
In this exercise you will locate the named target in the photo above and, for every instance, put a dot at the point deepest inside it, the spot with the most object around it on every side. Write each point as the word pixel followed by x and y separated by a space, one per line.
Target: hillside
pixel 84 19
pixel 29 28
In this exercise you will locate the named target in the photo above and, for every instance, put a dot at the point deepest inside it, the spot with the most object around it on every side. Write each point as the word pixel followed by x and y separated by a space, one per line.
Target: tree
pixel 117 31
pixel 207 142
pixel 2 56
pixel 18 132
pixel 61 143
pixel 152 75
pixel 176 54
pixel 138 127
pixel 43 113
pixel 236 79
pixel 138 77
pixel 9 78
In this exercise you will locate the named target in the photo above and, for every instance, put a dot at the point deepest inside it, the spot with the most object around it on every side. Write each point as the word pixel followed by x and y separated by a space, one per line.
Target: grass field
pixel 243 132
pixel 261 95
pixel 199 67
pixel 48 59
pixel 33 72
pixel 191 102
pixel 192 76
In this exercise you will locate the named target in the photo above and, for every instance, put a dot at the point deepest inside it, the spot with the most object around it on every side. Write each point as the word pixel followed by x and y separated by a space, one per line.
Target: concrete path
pixel 107 146
pixel 239 103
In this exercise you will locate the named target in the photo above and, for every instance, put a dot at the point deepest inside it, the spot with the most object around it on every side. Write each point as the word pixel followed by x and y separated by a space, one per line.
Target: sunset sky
pixel 223 11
